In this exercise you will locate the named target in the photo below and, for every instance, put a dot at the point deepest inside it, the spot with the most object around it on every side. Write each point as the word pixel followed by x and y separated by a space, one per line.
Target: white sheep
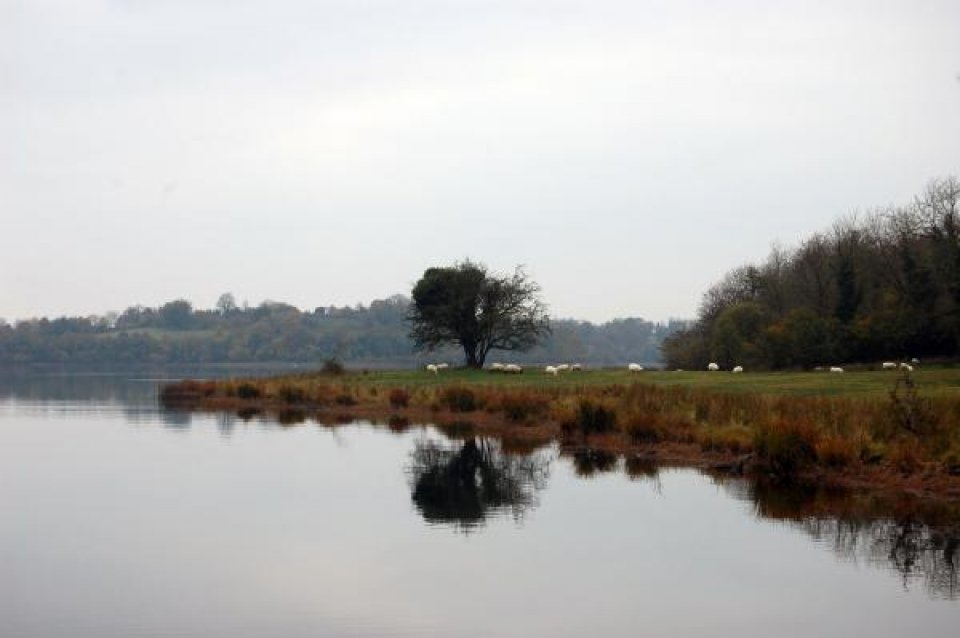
pixel 576 367
pixel 496 367
pixel 432 367
pixel 713 367
pixel 551 370
pixel 563 367
pixel 836 369
pixel 443 366
pixel 907 368
pixel 915 361
pixel 513 368
pixel 738 369
pixel 635 367
pixel 904 366
pixel 889 365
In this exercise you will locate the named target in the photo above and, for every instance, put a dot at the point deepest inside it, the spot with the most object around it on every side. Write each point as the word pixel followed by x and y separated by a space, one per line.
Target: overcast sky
pixel 327 152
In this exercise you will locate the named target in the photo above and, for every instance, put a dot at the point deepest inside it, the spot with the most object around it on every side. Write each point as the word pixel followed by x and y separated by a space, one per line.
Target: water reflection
pixel 919 540
pixel 462 486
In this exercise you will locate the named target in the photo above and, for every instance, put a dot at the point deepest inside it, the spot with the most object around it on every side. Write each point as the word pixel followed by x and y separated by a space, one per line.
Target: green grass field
pixel 930 382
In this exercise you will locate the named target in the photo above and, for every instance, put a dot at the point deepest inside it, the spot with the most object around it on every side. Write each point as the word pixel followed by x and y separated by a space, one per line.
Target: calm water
pixel 117 519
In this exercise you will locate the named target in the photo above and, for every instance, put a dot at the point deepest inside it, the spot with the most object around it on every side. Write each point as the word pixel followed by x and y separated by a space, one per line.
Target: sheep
pixel 432 367
pixel 496 367
pixel 907 368
pixel 513 368
pixel 443 366
pixel 635 367
pixel 737 369
pixel 563 367
pixel 836 369
pixel 713 367
pixel 915 361
pixel 551 370
pixel 576 367
pixel 889 365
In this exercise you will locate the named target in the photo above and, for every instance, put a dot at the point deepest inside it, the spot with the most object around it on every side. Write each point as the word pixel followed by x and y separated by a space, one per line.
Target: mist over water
pixel 119 518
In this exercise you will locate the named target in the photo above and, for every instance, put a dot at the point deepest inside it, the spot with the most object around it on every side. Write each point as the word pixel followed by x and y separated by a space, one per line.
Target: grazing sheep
pixel 551 370
pixel 889 365
pixel 563 367
pixel 576 367
pixel 906 367
pixel 635 367
pixel 915 361
pixel 432 367
pixel 443 366
pixel 738 369
pixel 835 369
pixel 496 367
pixel 513 368
pixel 712 367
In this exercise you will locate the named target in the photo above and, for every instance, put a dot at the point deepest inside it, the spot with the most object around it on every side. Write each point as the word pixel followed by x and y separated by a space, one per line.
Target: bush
pixel 644 428
pixel 248 391
pixel 332 366
pixel 836 452
pixel 291 394
pixel 787 446
pixel 345 399
pixel 591 418
pixel 522 406
pixel 399 398
pixel 459 399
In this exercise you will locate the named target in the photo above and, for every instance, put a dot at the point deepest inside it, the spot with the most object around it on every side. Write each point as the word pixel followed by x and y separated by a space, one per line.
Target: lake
pixel 118 518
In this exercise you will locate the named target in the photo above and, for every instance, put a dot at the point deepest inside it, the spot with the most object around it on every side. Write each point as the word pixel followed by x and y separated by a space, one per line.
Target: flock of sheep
pixel 513 368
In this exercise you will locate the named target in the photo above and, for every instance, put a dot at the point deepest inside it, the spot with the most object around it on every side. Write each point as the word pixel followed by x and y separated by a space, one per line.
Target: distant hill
pixel 370 336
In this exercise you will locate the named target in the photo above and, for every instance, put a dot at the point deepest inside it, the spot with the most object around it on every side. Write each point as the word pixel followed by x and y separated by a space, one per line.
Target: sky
pixel 627 153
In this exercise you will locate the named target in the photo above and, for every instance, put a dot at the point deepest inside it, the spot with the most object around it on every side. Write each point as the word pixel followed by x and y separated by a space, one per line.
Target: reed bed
pixel 899 428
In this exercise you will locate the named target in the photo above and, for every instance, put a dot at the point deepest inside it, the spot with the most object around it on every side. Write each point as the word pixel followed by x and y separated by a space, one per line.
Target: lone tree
pixel 465 304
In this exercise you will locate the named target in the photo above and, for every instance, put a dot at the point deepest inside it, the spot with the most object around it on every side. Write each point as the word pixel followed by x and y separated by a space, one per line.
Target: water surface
pixel 120 519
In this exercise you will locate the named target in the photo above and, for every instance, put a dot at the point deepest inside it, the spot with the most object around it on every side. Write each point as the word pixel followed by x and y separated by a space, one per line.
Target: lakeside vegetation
pixel 879 428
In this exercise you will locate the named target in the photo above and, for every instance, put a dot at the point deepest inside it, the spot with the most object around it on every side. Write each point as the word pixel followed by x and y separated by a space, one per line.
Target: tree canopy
pixel 476 310
pixel 885 285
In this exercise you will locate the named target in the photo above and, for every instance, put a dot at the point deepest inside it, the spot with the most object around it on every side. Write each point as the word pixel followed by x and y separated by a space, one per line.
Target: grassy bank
pixel 864 428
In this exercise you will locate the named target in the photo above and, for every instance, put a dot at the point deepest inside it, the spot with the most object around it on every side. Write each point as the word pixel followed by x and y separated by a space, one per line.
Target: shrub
pixel 905 456
pixel 291 394
pixel 644 428
pixel 522 406
pixel 399 398
pixel 248 391
pixel 333 366
pixel 345 399
pixel 460 399
pixel 836 451
pixel 591 418
pixel 786 445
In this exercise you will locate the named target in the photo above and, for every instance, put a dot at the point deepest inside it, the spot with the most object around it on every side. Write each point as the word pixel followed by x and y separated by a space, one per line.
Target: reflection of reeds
pixel 787 434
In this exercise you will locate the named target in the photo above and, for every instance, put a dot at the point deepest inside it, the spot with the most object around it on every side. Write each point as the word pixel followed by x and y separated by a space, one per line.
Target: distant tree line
pixel 884 285
pixel 375 335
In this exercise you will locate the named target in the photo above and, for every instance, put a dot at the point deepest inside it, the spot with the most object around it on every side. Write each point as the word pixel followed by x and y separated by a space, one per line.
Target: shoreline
pixel 525 417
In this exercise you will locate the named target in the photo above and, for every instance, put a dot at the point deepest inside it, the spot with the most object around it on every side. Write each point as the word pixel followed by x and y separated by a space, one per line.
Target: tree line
pixel 374 335
pixel 883 285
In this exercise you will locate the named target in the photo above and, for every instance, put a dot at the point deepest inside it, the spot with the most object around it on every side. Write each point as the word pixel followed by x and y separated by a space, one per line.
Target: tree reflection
pixel 919 540
pixel 463 486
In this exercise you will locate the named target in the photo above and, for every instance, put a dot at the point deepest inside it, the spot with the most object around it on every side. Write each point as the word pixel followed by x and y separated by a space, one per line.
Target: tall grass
pixel 902 428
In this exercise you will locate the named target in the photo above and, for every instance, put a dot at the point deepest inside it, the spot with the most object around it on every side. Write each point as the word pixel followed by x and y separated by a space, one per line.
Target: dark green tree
pixel 479 311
